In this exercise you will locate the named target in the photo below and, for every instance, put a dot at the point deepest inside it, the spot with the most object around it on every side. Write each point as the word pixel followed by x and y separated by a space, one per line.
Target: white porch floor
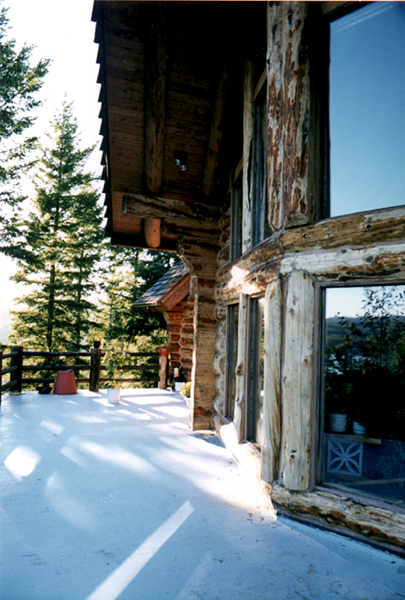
pixel 105 502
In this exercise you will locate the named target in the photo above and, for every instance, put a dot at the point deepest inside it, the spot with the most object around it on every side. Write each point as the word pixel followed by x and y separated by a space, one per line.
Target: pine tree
pixel 19 83
pixel 63 236
pixel 130 273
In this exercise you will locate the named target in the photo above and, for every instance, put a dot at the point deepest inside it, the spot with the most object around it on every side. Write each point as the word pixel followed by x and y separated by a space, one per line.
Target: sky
pixel 62 31
pixel 363 169
pixel 367 116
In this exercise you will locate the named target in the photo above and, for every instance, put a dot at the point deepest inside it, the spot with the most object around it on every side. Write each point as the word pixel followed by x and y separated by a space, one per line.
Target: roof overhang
pixel 165 77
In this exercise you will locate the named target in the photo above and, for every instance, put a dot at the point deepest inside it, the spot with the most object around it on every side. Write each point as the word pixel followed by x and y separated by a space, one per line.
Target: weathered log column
pixel 201 259
pixel 186 338
pixel 174 319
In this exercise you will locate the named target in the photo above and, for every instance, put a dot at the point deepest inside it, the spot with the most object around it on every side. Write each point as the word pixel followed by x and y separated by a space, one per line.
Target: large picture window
pixel 363 414
pixel 366 109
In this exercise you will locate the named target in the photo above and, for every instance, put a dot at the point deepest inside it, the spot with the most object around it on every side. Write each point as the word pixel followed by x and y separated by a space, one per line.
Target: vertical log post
pixel 17 361
pixel 163 362
pixel 95 362
pixel 1 372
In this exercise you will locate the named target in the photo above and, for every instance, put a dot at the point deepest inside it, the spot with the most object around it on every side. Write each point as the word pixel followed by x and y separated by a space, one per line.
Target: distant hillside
pixel 336 331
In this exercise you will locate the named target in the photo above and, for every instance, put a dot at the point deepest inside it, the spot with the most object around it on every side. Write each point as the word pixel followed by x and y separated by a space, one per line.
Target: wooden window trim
pixel 316 482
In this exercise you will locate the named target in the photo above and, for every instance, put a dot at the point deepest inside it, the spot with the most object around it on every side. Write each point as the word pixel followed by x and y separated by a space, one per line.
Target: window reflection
pixel 364 391
pixel 367 117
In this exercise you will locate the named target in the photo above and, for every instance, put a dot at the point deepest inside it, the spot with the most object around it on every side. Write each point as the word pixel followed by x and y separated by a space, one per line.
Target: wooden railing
pixel 89 361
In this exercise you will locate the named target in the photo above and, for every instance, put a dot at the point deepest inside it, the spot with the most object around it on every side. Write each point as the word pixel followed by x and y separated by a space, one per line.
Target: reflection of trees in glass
pixel 365 362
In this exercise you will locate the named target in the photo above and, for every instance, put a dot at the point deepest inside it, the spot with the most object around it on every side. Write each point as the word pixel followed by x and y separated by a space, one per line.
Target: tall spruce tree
pixel 63 237
pixel 19 83
pixel 129 274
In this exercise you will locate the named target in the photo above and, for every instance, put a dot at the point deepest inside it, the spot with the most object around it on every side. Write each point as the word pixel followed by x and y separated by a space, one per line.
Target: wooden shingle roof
pixel 168 291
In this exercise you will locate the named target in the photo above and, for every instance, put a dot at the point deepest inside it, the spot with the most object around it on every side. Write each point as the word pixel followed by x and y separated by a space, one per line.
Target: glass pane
pixel 364 391
pixel 258 172
pixel 256 380
pixel 236 220
pixel 367 116
pixel 232 357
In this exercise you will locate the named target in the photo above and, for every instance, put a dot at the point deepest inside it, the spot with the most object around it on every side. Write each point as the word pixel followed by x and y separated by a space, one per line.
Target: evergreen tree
pixel 19 83
pixel 63 236
pixel 130 272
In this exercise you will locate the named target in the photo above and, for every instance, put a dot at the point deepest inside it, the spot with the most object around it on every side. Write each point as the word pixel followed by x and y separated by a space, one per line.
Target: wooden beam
pixel 297 382
pixel 215 137
pixel 177 294
pixel 129 240
pixel 272 382
pixel 371 521
pixel 155 103
pixel 163 208
pixel 241 372
pixel 247 142
pixel 275 123
pixel 152 232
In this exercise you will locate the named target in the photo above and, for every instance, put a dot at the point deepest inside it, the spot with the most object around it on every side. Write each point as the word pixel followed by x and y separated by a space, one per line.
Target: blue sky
pixel 62 31
pixel 367 109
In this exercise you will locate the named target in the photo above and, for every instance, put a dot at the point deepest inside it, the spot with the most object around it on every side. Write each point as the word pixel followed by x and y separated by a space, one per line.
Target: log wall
pixel 201 261
pixel 302 254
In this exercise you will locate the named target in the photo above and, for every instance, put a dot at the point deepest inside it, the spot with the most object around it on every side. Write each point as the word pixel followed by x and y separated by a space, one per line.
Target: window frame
pixel 318 461
pixel 255 332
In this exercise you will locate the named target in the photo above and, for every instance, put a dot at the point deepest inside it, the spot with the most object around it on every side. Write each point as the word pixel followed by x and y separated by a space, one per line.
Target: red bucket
pixel 164 350
pixel 65 383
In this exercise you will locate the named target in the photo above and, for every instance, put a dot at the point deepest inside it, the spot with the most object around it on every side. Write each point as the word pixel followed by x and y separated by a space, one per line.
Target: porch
pixel 100 502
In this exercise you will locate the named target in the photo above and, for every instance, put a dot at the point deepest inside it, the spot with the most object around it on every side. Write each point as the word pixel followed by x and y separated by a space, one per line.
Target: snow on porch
pixel 106 502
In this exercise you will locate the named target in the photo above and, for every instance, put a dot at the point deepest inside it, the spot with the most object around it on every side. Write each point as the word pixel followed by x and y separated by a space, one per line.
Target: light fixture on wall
pixel 180 159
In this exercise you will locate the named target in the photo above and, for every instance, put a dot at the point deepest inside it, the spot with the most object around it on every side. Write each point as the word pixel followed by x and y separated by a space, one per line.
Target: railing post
pixel 17 361
pixel 95 362
pixel 164 352
pixel 1 372
pixel 163 361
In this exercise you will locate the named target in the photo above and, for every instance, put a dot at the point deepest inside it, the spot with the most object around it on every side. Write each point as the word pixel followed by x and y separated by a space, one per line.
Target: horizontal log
pixel 10 354
pixel 162 208
pixel 349 263
pixel 29 353
pixel 36 380
pixel 351 230
pixel 120 380
pixel 377 523
pixel 9 369
pixel 8 385
pixel 56 367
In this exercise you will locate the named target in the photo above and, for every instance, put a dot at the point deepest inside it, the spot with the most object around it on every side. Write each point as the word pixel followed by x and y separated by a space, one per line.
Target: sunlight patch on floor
pixel 117 456
pixel 52 427
pixel 172 411
pixel 115 584
pixel 22 462
pixel 66 505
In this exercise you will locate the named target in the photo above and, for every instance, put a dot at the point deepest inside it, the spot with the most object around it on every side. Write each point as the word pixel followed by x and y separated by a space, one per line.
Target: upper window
pixel 257 172
pixel 366 109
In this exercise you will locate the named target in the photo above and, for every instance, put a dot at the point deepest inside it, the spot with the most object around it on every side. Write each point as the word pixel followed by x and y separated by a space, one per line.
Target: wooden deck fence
pixel 83 361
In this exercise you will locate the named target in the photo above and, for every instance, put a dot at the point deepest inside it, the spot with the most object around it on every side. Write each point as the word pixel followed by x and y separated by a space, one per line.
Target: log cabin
pixel 170 296
pixel 263 143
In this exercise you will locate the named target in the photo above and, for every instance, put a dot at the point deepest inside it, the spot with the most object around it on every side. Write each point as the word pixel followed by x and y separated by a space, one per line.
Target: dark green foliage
pixel 129 273
pixel 63 243
pixel 365 363
pixel 19 83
